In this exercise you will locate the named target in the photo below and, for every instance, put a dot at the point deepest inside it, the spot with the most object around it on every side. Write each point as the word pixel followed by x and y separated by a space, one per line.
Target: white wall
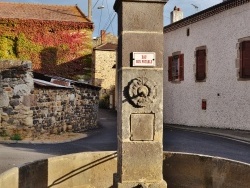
pixel 182 101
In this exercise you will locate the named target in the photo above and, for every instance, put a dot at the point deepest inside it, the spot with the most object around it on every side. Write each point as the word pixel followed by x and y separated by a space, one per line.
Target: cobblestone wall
pixel 30 111
pixel 16 84
pixel 60 110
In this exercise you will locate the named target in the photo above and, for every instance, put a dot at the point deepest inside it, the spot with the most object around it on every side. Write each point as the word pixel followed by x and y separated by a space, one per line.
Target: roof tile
pixel 42 12
pixel 107 47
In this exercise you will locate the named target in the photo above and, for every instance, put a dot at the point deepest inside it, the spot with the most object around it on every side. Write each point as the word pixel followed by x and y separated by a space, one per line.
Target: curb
pixel 85 134
pixel 215 132
pixel 42 142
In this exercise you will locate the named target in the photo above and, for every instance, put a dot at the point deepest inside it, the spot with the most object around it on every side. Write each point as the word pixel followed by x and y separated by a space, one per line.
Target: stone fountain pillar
pixel 140 88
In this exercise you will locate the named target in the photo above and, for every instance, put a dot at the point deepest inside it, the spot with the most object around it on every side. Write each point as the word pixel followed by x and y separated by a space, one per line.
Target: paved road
pixel 194 142
pixel 105 140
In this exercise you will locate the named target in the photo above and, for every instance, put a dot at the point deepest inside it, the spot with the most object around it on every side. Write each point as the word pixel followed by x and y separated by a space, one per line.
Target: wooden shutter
pixel 170 61
pixel 200 65
pixel 181 67
pixel 245 59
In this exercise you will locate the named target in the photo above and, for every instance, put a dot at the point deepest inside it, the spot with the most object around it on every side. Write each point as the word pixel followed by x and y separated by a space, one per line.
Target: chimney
pixel 103 36
pixel 176 15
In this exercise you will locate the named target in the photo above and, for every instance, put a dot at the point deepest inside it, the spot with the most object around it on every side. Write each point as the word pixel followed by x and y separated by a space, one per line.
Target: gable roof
pixel 205 14
pixel 106 47
pixel 42 12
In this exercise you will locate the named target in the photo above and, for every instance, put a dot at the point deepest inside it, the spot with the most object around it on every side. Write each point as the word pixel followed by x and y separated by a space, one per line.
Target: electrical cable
pixel 108 21
pixel 111 21
pixel 95 4
pixel 109 16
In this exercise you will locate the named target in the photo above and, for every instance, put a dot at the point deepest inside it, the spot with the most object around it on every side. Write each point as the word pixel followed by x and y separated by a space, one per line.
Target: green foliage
pixel 8 47
pixel 26 48
pixel 88 60
pixel 16 136
pixel 104 102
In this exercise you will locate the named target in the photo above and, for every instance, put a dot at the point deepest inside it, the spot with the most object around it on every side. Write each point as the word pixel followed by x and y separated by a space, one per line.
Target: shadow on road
pixel 102 139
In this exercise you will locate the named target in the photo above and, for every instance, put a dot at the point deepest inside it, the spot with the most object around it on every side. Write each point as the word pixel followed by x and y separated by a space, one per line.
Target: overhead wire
pixel 100 18
pixel 95 4
pixel 109 16
pixel 111 22
pixel 108 21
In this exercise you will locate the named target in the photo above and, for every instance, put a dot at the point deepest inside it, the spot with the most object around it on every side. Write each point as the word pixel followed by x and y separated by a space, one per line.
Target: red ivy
pixel 68 38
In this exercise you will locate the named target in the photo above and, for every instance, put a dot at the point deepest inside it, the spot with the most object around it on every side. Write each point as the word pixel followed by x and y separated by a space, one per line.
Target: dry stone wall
pixel 16 85
pixel 59 110
pixel 30 110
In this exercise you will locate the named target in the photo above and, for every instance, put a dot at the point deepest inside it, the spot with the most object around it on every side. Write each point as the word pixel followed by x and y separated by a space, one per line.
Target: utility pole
pixel 90 9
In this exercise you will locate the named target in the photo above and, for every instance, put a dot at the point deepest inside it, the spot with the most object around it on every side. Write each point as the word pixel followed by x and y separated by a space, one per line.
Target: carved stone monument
pixel 140 101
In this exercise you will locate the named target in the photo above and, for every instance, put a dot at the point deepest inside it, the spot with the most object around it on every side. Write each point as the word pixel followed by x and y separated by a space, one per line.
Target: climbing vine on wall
pixel 57 48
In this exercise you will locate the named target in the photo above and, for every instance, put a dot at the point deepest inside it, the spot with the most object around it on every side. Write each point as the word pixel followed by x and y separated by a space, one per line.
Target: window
pixel 200 65
pixel 245 59
pixel 188 31
pixel 176 67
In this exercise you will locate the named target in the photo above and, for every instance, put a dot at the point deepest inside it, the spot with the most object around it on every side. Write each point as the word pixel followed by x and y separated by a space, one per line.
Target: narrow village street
pixel 104 139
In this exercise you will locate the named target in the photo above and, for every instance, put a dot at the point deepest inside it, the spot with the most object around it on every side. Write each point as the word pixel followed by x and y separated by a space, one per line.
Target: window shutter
pixel 200 65
pixel 170 76
pixel 245 59
pixel 181 68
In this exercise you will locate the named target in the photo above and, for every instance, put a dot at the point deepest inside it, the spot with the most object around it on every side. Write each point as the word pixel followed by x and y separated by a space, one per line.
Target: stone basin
pixel 96 170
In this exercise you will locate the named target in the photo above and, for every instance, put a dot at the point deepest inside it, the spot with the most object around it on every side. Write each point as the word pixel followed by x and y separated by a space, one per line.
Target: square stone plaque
pixel 142 127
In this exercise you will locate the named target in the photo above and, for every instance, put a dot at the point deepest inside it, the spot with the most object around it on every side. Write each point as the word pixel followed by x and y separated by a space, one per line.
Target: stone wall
pixel 16 85
pixel 58 110
pixel 30 110
pixel 104 74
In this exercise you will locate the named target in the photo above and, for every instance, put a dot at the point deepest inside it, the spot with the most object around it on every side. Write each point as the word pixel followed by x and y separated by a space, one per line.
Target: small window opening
pixel 188 32
pixel 175 67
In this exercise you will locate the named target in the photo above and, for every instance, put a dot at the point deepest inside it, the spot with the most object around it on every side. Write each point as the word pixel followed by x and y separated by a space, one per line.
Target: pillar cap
pixel 118 2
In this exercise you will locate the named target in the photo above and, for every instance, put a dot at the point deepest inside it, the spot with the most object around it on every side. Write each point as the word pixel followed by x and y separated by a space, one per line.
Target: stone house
pixel 207 68
pixel 32 104
pixel 104 68
pixel 56 39
pixel 104 38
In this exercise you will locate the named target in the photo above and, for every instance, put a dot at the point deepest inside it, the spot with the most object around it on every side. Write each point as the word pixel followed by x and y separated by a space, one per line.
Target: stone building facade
pixel 104 58
pixel 104 70
pixel 203 85
pixel 30 106
pixel 104 38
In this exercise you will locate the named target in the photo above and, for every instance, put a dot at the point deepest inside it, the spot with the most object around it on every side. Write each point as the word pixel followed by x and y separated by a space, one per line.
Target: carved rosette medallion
pixel 142 91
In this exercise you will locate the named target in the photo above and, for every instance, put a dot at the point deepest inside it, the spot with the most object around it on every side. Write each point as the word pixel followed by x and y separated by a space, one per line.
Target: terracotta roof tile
pixel 107 47
pixel 41 12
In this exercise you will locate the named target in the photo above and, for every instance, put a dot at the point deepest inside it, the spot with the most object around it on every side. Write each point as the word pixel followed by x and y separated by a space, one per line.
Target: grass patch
pixel 16 136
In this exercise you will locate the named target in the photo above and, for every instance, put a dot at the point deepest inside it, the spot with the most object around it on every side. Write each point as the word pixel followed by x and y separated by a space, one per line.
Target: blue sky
pixel 102 17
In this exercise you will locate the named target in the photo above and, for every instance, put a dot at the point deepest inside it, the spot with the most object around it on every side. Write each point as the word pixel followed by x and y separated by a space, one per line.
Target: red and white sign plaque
pixel 143 59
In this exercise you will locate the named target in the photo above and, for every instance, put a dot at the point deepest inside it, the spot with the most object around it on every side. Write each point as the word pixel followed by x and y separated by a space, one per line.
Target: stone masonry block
pixel 154 75
pixel 142 127
pixel 142 17
pixel 135 161
pixel 140 42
